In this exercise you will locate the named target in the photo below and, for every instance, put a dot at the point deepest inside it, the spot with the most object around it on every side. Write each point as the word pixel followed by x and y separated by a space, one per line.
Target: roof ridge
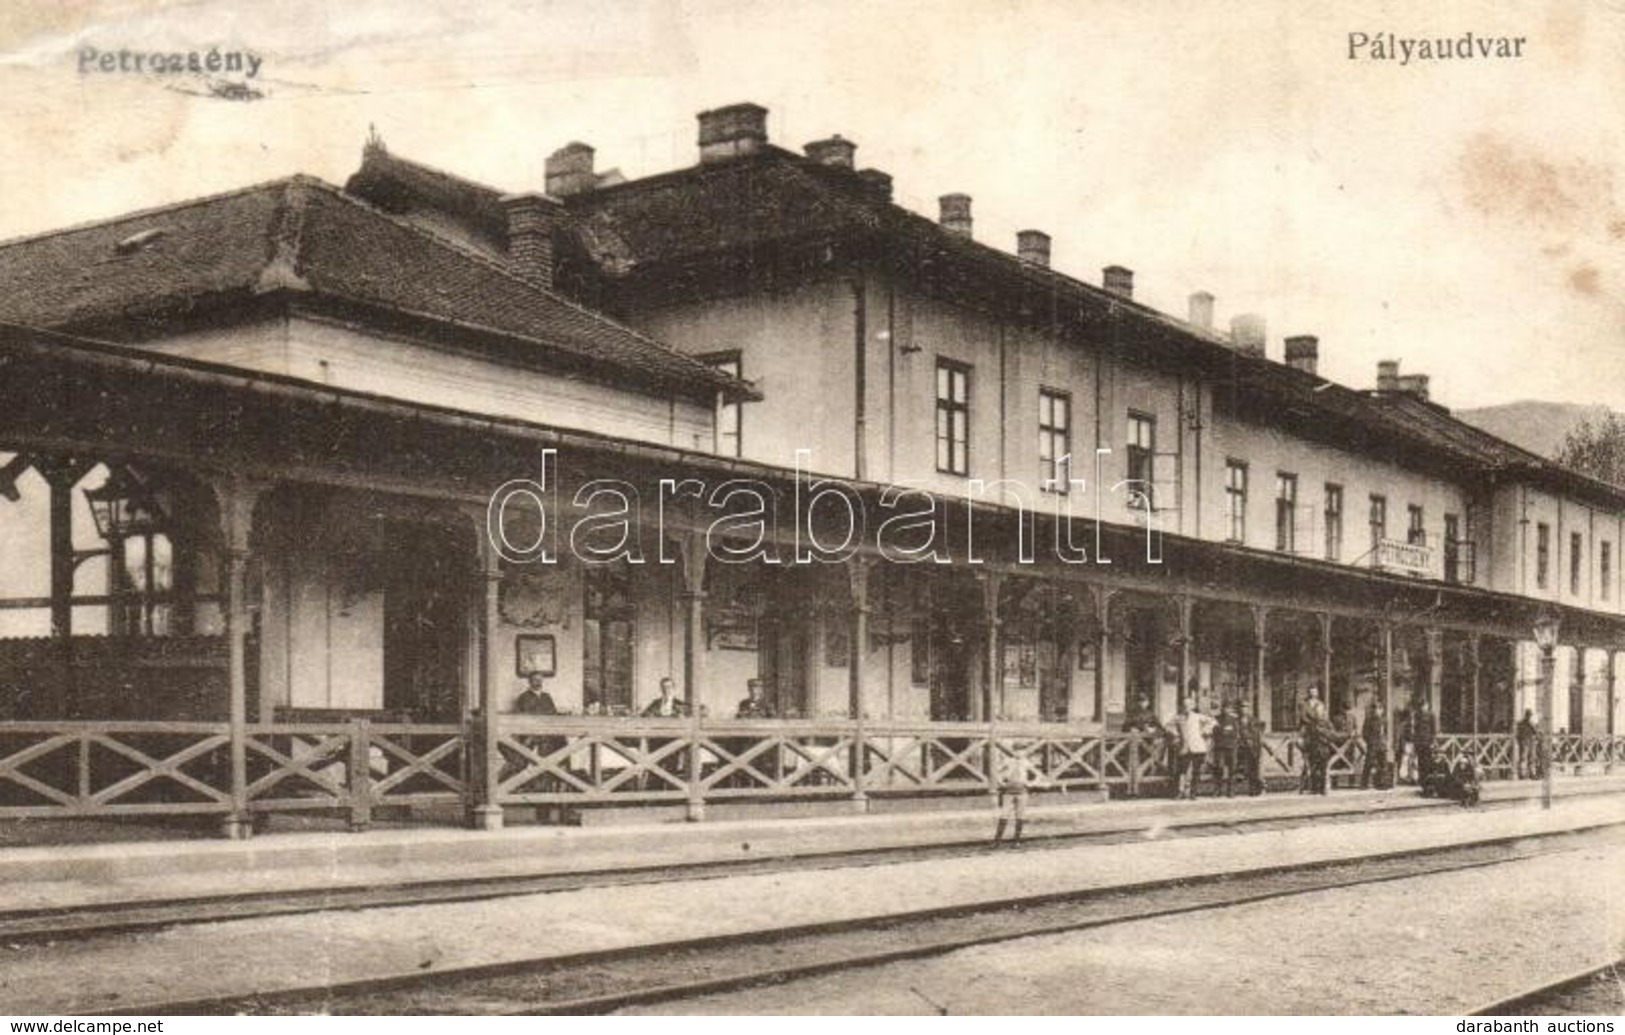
pixel 156 210
pixel 433 170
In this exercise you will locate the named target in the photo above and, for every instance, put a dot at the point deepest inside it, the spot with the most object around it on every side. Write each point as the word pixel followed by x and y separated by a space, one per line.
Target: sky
pixel 1464 217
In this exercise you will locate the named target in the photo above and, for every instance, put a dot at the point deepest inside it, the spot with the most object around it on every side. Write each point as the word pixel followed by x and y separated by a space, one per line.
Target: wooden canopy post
pixel 1325 619
pixel 1388 684
pixel 487 812
pixel 858 570
pixel 992 584
pixel 1475 669
pixel 1261 616
pixel 1183 607
pixel 692 545
pixel 1102 597
pixel 236 498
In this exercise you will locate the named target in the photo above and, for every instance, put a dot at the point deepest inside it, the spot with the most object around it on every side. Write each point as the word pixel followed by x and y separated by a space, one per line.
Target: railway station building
pixel 302 483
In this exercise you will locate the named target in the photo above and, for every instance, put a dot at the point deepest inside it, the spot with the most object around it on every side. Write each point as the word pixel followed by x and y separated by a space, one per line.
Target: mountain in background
pixel 1536 426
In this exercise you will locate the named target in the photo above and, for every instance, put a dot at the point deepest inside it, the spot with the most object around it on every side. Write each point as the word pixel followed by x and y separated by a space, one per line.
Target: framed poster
pixel 536 652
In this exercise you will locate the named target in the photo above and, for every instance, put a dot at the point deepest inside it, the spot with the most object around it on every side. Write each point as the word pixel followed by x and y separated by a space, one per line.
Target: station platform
pixel 66 876
pixel 267 954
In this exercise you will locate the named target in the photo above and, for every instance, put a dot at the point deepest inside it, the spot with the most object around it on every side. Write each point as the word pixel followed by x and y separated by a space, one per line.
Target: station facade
pixel 251 444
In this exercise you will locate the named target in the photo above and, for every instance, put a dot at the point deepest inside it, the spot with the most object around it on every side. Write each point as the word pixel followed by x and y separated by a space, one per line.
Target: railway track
pixel 606 982
pixel 58 924
pixel 1597 991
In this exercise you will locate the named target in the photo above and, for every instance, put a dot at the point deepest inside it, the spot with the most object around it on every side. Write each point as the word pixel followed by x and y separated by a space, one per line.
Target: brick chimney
pixel 1033 246
pixel 1200 307
pixel 1248 334
pixel 1415 385
pixel 837 151
pixel 1303 352
pixel 956 214
pixel 1119 280
pixel 1388 375
pixel 532 218
pixel 569 170
pixel 732 132
pixel 876 183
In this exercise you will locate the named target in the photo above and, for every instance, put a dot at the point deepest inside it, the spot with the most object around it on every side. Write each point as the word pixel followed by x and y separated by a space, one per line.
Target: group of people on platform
pixel 535 700
pixel 1231 744
pixel 1229 748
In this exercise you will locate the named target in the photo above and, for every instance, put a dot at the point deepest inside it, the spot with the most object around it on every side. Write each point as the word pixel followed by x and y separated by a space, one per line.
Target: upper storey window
pixel 953 417
pixel 1142 447
pixel 1235 500
pixel 1054 440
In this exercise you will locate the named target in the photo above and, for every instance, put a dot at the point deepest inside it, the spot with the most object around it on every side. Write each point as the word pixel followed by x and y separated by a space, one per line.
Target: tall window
pixel 1379 521
pixel 1334 522
pixel 607 637
pixel 1286 512
pixel 1054 440
pixel 1576 564
pixel 1543 554
pixel 1142 447
pixel 729 415
pixel 953 417
pixel 1452 548
pixel 1605 569
pixel 1235 500
pixel 1415 530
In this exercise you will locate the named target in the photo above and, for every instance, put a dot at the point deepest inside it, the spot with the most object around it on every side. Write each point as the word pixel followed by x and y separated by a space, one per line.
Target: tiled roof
pixel 308 238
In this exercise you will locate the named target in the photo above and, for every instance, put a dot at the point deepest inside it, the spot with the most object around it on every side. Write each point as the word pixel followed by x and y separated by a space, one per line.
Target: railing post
pixel 84 768
pixel 860 759
pixel 696 769
pixel 992 756
pixel 1133 764
pixel 360 774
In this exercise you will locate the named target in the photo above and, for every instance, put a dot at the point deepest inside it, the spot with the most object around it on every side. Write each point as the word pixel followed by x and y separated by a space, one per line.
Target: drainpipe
pixel 891 382
pixel 860 417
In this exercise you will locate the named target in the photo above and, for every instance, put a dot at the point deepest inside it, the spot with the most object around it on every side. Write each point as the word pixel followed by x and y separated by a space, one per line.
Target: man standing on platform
pixel 1423 731
pixel 1374 731
pixel 1526 745
pixel 1194 731
pixel 1250 749
pixel 1226 742
pixel 1314 730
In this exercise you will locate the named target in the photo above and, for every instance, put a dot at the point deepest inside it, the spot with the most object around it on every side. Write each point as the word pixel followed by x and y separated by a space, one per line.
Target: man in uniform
pixel 1314 730
pixel 1250 749
pixel 1526 745
pixel 1226 742
pixel 1374 731
pixel 754 706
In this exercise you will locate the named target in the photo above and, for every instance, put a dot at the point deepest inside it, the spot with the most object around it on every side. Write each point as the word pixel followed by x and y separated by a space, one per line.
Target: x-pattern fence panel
pixel 1284 755
pixel 1587 752
pixel 935 757
pixel 1491 752
pixel 587 760
pixel 111 769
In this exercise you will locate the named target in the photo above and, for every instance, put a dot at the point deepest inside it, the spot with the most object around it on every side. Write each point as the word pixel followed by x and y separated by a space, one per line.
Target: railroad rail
pixel 603 982
pixel 1597 990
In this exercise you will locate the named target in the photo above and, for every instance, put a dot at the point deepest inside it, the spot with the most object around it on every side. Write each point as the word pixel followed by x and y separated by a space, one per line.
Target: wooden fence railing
pixel 90 769
pixel 359 766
